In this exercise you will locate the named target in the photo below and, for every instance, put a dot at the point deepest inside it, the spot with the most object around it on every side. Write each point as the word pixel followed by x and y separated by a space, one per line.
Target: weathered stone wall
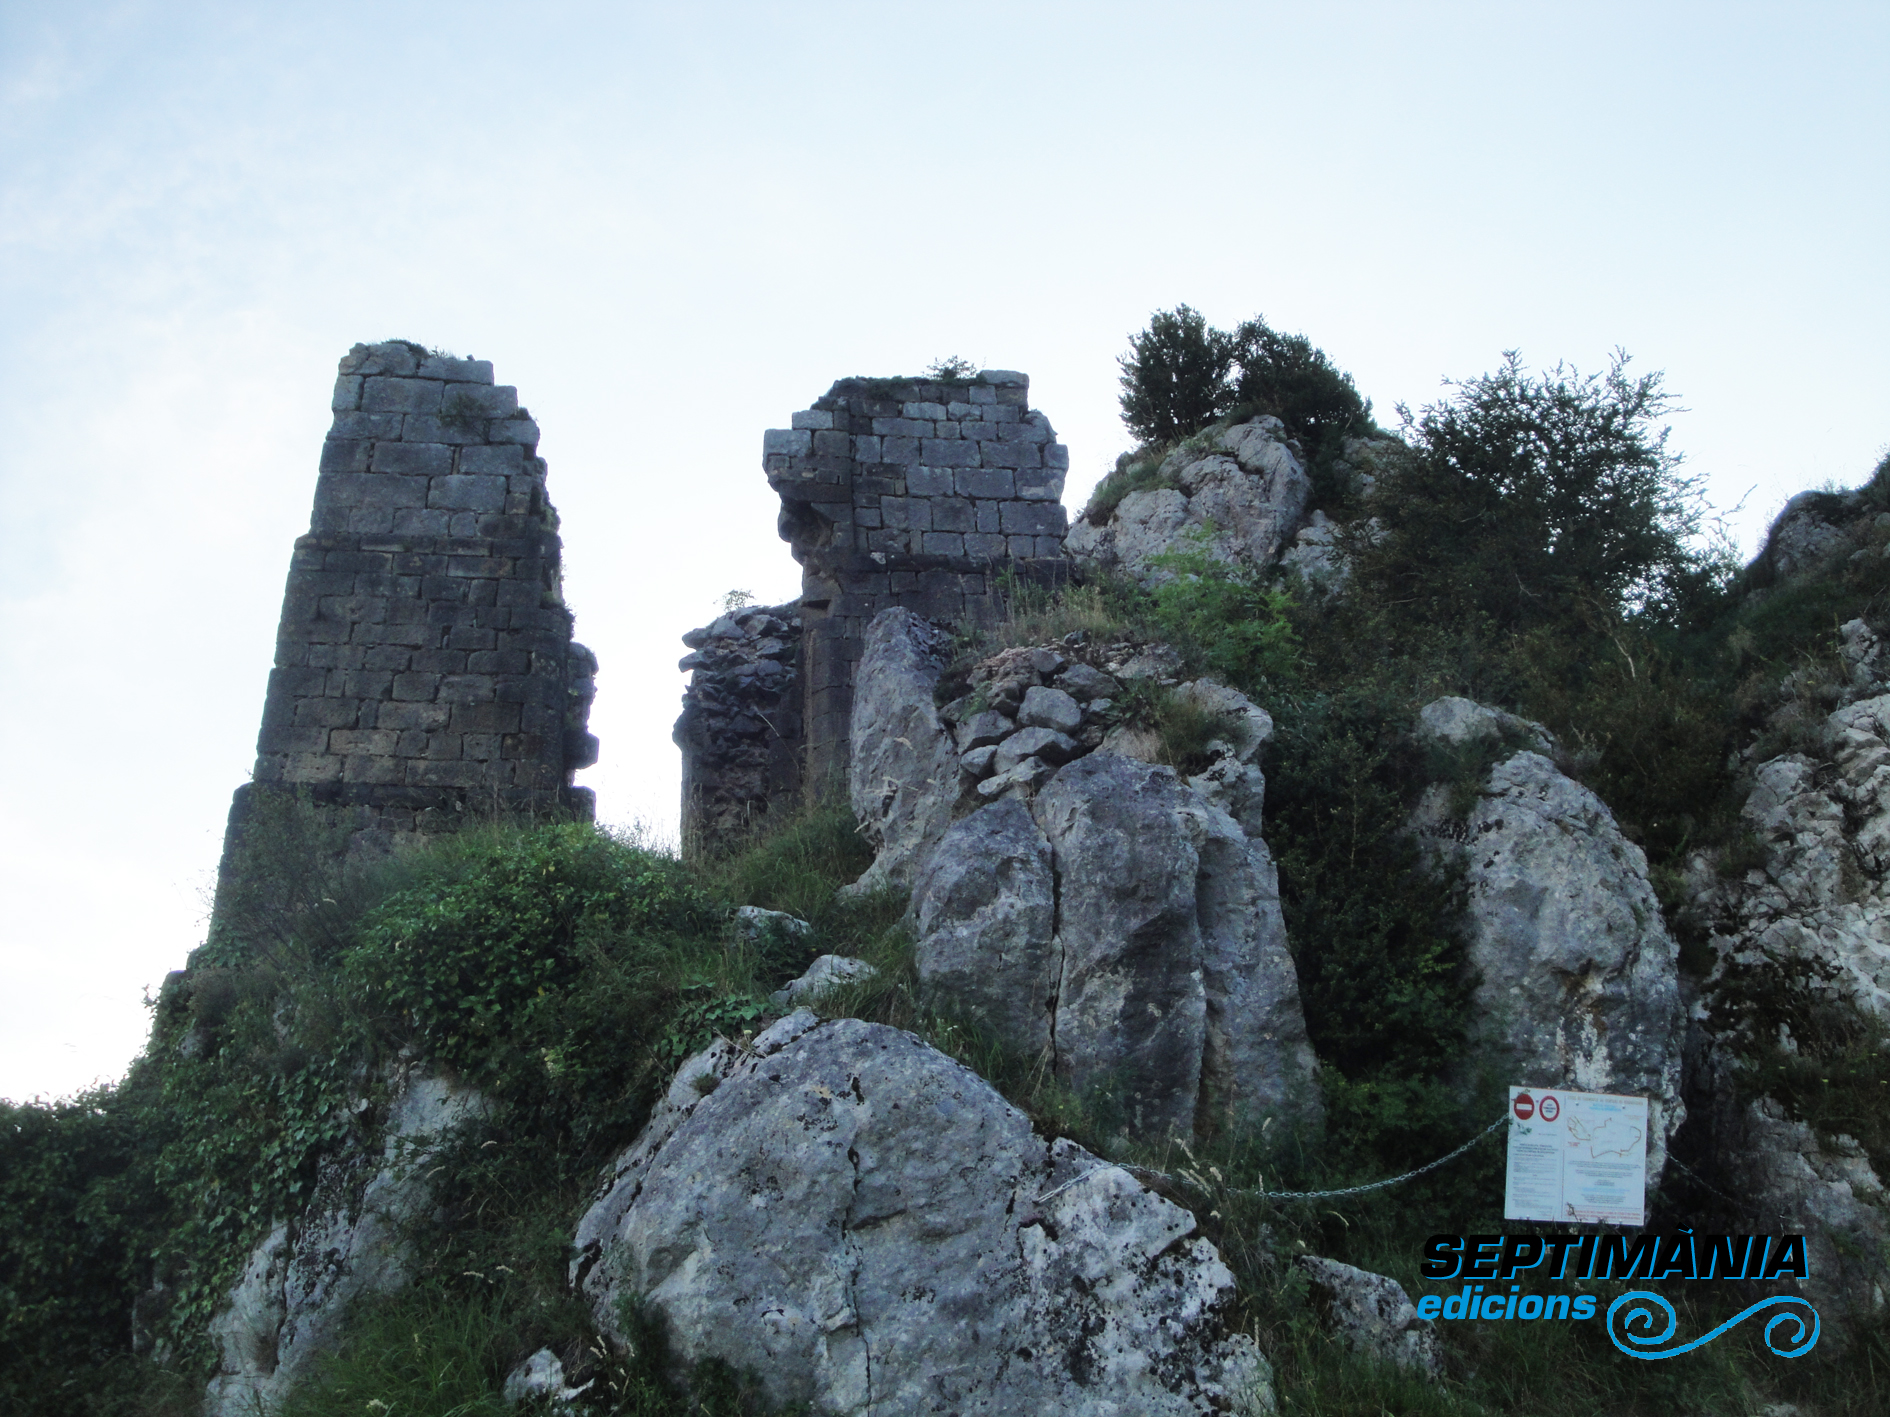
pixel 740 730
pixel 911 492
pixel 424 661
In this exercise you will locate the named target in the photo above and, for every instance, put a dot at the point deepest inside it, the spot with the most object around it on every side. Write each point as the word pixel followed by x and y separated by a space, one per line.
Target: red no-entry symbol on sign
pixel 1549 1108
pixel 1524 1106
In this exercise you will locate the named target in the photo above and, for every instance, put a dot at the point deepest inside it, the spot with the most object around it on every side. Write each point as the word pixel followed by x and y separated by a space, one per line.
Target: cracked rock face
pixel 1372 1314
pixel 1241 497
pixel 1126 927
pixel 293 1297
pixel 1579 974
pixel 870 1228
pixel 904 774
pixel 1825 827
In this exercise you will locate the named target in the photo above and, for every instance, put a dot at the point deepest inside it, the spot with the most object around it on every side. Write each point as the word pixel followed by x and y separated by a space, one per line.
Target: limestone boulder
pixel 869 1228
pixel 1238 494
pixel 1579 985
pixel 904 776
pixel 1124 926
pixel 300 1281
pixel 1371 1314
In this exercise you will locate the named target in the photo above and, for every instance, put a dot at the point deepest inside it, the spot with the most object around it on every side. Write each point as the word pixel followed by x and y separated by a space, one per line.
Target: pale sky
pixel 673 226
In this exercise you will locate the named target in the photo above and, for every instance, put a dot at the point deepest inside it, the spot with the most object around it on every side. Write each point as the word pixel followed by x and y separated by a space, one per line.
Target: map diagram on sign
pixel 1576 1156
pixel 1602 1138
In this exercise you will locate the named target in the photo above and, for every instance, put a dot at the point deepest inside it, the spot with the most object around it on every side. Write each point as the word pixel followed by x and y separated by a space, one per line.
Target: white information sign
pixel 1576 1156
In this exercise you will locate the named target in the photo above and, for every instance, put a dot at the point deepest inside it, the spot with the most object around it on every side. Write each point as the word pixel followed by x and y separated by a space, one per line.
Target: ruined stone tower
pixel 922 493
pixel 424 662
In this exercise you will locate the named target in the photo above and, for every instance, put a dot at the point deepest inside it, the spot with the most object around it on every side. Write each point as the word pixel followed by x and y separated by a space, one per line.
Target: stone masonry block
pixel 282 738
pixel 982 394
pixel 898 450
pixel 923 410
pixel 499 661
pixel 522 431
pixel 407 717
pixel 389 395
pixel 984 546
pixel 906 513
pixel 311 768
pixel 419 459
pixel 1049 547
pixel 467 493
pixel 1034 518
pixel 426 428
pixel 866 448
pixel 350 741
pixel 961 412
pixel 929 481
pixel 369 685
pixel 482 567
pixel 327 713
pixel 347 393
pixel 944 543
pixel 378 490
pixel 1004 378
pixel 391 357
pixel 1018 455
pixel 466 689
pixel 472 402
pixel 787 442
pixel 812 419
pixel 440 661
pixel 952 514
pixel 453 774
pixel 1040 485
pixel 994 482
pixel 368 521
pixel 418 521
pixel 503 459
pixel 903 427
pixel 456 371
pixel 392 658
pixel 946 452
pixel 1022 547
pixel 417 688
pixel 346 455
pixel 1056 455
pixel 988 517
pixel 833 445
pixel 486 718
pixel 379 768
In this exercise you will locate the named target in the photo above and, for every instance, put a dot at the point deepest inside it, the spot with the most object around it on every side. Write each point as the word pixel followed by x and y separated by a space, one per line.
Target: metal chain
pixel 1265 1194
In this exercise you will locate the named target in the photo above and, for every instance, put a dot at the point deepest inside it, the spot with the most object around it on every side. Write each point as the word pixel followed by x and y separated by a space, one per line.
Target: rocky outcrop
pixel 904 775
pixel 1823 822
pixel 740 729
pixel 1371 1314
pixel 1110 917
pixel 869 1228
pixel 1579 985
pixel 1237 494
pixel 289 1306
pixel 1809 919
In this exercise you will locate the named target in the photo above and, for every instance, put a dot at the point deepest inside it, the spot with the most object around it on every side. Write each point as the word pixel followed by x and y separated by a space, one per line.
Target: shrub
pixel 1284 375
pixel 1174 377
pixel 1531 499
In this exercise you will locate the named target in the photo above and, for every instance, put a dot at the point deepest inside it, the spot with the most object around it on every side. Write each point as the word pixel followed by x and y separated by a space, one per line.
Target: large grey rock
pixel 869 1228
pixel 1579 984
pixel 1050 708
pixel 904 774
pixel 1371 1314
pixel 294 1294
pixel 1824 824
pixel 1454 722
pixel 1238 495
pixel 985 915
pixel 825 974
pixel 1176 985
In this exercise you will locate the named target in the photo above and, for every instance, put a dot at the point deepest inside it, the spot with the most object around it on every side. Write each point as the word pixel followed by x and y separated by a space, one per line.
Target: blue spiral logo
pixel 1633 1334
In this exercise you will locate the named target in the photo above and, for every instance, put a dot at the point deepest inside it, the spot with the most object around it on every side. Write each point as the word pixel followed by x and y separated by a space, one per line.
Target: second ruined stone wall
pixel 424 661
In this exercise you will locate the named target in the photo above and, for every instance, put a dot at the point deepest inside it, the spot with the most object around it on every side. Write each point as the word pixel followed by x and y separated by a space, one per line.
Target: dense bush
pixel 1174 377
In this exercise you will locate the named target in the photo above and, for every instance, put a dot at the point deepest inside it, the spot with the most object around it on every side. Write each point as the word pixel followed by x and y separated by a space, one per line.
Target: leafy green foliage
pixel 1235 617
pixel 1174 377
pixel 465 962
pixel 1531 498
pixel 1284 375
